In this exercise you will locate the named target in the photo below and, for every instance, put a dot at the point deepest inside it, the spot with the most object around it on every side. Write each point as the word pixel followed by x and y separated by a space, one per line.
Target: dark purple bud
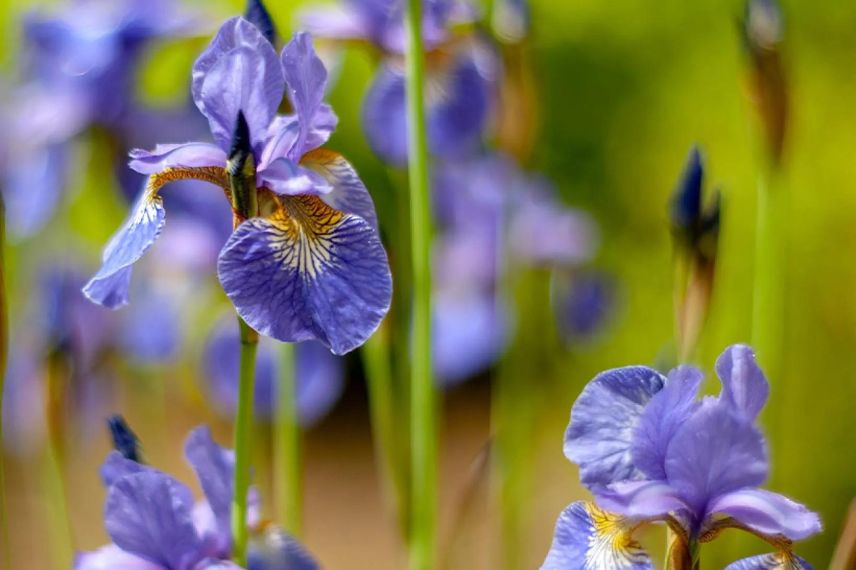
pixel 686 201
pixel 259 16
pixel 124 440
pixel 241 148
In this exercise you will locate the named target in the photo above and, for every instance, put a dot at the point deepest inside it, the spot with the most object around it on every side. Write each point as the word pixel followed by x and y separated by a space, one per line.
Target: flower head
pixel 649 451
pixel 155 525
pixel 310 264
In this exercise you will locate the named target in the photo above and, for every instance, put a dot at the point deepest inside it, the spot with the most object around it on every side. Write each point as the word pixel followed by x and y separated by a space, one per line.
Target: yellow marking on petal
pixel 307 224
pixel 213 174
pixel 611 545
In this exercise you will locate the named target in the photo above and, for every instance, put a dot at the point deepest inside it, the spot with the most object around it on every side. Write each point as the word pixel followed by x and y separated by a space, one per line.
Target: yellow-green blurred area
pixel 625 87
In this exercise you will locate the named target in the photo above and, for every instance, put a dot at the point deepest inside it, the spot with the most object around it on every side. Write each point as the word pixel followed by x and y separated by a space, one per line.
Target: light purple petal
pixel 587 537
pixel 776 561
pixel 109 287
pixel 348 193
pixel 603 421
pixel 276 550
pixel 239 71
pixel 285 130
pixel 215 467
pixel 306 80
pixel 663 415
pixel 111 557
pixel 316 275
pixel 188 155
pixel 213 564
pixel 287 178
pixel 744 386
pixel 715 452
pixel 147 515
pixel 116 466
pixel 339 22
pixel 641 499
pixel 767 513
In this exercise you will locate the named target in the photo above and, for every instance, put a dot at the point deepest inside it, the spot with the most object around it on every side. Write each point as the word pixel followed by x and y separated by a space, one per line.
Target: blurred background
pixel 621 91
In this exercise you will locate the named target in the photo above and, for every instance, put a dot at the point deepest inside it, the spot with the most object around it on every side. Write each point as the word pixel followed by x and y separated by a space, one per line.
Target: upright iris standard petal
pixel 308 273
pixel 109 287
pixel 276 550
pixel 715 452
pixel 778 561
pixel 214 468
pixel 238 71
pixel 306 79
pixel 641 500
pixel 457 105
pixel 348 193
pixel 603 420
pixel 587 537
pixel 767 513
pixel 744 386
pixel 147 515
pixel 117 466
pixel 663 416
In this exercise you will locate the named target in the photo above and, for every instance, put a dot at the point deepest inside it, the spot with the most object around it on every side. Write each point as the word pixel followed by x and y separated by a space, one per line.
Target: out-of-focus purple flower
pixel 311 266
pixel 155 525
pixel 582 301
pixel 649 451
pixel 460 74
pixel 319 375
pixel 511 20
pixel 79 71
pixel 695 226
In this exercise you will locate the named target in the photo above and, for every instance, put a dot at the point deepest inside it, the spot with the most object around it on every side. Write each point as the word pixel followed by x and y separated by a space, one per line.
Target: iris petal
pixel 744 386
pixel 587 537
pixel 348 194
pixel 111 557
pixel 306 78
pixel 147 515
pixel 165 156
pixel 776 561
pixel 214 468
pixel 767 513
pixel 239 70
pixel 275 550
pixel 642 500
pixel 603 420
pixel 308 272
pixel 662 417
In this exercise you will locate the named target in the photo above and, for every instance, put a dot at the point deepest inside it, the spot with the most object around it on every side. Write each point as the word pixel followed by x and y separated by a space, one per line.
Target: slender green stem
pixel 422 394
pixel 382 404
pixel 5 541
pixel 243 429
pixel 288 475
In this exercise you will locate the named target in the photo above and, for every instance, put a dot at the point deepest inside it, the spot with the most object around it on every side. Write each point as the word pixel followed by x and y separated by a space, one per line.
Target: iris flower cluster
pixel 307 262
pixel 155 524
pixel 651 452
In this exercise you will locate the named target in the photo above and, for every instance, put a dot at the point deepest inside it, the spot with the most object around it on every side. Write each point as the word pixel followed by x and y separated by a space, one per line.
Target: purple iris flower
pixel 155 525
pixel 460 74
pixel 650 451
pixel 79 70
pixel 311 266
pixel 319 375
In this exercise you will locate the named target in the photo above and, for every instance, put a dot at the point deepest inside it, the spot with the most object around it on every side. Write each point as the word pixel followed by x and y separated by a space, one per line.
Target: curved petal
pixel 641 499
pixel 715 452
pixel 348 193
pixel 214 468
pixel 109 287
pixel 165 156
pixel 306 79
pixel 285 130
pixel 777 561
pixel 287 178
pixel 744 386
pixel 238 71
pixel 111 557
pixel 663 415
pixel 147 515
pixel 767 513
pixel 309 272
pixel 117 466
pixel 276 550
pixel 603 420
pixel 587 537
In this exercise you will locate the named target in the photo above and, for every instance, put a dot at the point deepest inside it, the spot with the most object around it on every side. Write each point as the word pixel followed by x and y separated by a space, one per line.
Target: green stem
pixel 382 404
pixel 58 373
pixel 5 541
pixel 288 476
pixel 243 429
pixel 422 395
